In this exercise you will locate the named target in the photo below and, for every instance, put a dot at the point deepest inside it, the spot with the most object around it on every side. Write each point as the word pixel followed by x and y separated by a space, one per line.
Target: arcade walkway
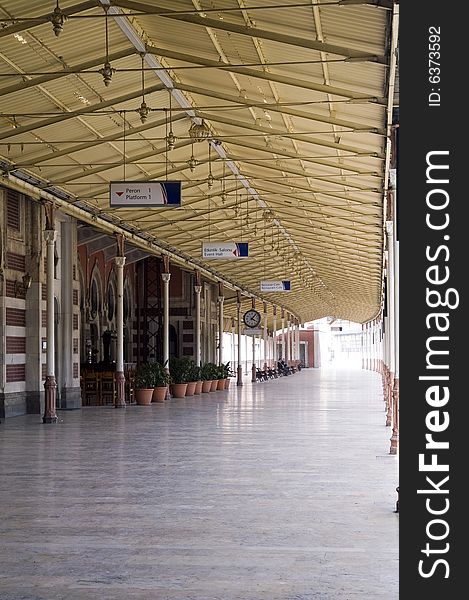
pixel 280 491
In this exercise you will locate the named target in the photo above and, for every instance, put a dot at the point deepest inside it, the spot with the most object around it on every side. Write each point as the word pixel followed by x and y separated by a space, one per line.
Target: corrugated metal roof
pixel 320 179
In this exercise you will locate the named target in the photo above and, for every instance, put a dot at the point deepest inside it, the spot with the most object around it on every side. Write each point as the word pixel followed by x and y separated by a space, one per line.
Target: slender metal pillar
pixel 233 344
pixel 50 384
pixel 239 378
pixel 266 350
pixel 274 339
pixel 253 368
pixel 221 300
pixel 166 278
pixel 287 353
pixel 198 324
pixel 119 401
pixel 283 353
pixel 395 391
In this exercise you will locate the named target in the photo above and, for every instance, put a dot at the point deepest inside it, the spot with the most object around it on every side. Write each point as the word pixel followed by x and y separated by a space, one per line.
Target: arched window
pixel 94 298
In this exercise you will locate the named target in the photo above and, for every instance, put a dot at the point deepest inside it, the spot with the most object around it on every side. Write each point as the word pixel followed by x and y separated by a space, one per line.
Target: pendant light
pixel 143 111
pixel 107 71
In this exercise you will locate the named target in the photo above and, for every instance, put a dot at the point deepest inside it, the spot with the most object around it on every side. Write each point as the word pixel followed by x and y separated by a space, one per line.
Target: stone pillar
pixel 221 300
pixel 266 348
pixel 50 384
pixel 283 353
pixel 298 345
pixel 119 374
pixel 395 393
pixel 198 323
pixel 239 373
pixel 166 276
pixel 253 369
pixel 287 352
pixel 274 339
pixel 233 344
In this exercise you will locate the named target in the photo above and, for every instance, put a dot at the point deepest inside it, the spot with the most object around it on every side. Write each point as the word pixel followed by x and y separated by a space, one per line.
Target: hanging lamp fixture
pixel 223 192
pixel 170 138
pixel 143 110
pixel 192 162
pixel 210 178
pixel 57 19
pixel 199 131
pixel 107 71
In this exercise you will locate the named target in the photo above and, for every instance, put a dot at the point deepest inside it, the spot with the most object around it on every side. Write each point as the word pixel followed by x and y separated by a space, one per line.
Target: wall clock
pixel 252 318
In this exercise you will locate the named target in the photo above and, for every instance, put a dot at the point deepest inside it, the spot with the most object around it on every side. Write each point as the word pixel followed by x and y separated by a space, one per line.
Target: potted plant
pixel 161 380
pixel 144 385
pixel 207 374
pixel 180 373
pixel 221 377
pixel 227 373
pixel 194 377
pixel 197 377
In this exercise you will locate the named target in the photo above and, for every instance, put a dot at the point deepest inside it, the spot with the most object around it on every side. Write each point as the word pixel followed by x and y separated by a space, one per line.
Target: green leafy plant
pixel 195 374
pixel 225 371
pixel 151 375
pixel 180 369
pixel 209 371
pixel 161 377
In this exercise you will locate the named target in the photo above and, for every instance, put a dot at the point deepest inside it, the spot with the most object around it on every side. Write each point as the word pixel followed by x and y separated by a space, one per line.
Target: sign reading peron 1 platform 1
pixel 140 194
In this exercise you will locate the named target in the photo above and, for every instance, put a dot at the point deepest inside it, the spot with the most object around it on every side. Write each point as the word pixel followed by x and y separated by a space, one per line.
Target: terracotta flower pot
pixel 159 394
pixel 214 385
pixel 198 387
pixel 191 388
pixel 227 383
pixel 143 397
pixel 178 390
pixel 206 385
pixel 221 384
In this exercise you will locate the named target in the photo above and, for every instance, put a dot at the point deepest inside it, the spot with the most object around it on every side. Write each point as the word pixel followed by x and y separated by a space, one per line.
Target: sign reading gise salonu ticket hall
pixel 140 194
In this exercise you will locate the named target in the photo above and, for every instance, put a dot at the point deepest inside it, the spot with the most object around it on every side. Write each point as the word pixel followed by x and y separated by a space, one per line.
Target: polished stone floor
pixel 282 490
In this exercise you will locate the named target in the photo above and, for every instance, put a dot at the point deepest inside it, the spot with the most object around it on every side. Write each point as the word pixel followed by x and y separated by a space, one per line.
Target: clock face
pixel 252 318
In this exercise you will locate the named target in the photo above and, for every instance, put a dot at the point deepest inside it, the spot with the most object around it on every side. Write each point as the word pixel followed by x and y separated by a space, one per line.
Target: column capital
pixel 198 289
pixel 50 235
pixel 166 277
pixel 120 261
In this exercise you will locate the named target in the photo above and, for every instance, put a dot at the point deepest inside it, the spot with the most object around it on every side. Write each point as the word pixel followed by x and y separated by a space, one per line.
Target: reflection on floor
pixel 282 490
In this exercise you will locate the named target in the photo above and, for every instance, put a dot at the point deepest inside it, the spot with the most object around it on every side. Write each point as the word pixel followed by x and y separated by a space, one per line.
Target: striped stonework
pixel 15 261
pixel 15 344
pixel 15 317
pixel 15 373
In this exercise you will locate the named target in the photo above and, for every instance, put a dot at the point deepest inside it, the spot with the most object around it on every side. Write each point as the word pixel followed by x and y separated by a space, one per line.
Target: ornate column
pixel 50 384
pixel 166 276
pixel 298 341
pixel 239 372
pixel 287 349
pixel 395 391
pixel 253 368
pixel 283 353
pixel 198 291
pixel 233 344
pixel 274 339
pixel 266 350
pixel 221 299
pixel 119 374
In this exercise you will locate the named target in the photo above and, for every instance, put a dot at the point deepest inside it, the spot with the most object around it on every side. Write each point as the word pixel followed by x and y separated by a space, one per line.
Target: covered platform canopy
pixel 275 116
